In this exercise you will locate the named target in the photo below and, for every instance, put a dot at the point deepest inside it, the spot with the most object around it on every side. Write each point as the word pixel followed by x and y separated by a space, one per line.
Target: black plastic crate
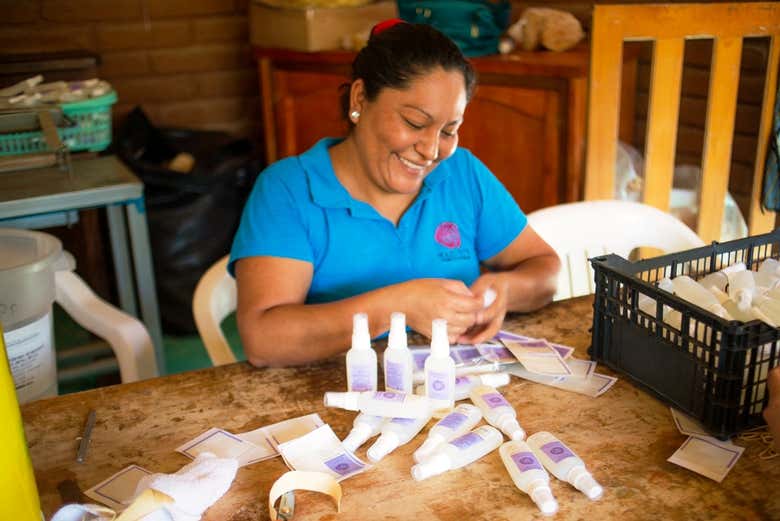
pixel 710 368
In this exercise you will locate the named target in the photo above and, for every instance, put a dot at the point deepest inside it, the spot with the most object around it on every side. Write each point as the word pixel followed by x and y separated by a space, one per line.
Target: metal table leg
pixel 144 275
pixel 124 277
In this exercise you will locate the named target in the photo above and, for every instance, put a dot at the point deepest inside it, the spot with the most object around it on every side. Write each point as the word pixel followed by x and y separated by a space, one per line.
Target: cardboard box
pixel 313 28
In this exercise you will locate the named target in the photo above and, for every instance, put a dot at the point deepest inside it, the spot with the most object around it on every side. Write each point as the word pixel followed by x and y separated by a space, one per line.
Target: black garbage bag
pixel 192 216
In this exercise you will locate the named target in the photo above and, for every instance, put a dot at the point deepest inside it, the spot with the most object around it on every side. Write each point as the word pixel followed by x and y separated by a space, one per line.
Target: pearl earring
pixel 355 115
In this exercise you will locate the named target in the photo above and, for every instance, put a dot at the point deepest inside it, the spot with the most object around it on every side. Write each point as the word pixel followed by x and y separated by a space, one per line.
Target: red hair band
pixel 387 24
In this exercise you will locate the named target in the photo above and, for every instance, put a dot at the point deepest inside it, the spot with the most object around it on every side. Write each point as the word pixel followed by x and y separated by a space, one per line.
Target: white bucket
pixel 27 291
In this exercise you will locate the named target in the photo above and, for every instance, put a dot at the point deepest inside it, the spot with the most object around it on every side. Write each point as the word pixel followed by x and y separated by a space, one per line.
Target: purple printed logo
pixel 525 461
pixel 494 400
pixel 448 235
pixel 556 451
pixel 343 465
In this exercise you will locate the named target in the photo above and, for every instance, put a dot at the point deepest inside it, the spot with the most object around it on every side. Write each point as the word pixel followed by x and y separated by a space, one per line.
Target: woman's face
pixel 402 135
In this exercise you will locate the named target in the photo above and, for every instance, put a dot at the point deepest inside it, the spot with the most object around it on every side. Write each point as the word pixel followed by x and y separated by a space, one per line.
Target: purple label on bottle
pixel 467 440
pixel 389 396
pixel 343 464
pixel 525 461
pixel 494 400
pixel 439 386
pixel 453 420
pixel 556 451
pixel 462 380
pixel 394 376
pixel 403 421
pixel 361 378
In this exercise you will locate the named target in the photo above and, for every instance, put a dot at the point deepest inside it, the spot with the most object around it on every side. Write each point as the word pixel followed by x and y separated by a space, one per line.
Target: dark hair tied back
pixel 396 55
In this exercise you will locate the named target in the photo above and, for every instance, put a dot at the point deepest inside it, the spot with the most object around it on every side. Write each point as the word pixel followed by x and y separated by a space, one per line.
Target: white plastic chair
pixel 579 231
pixel 126 335
pixel 214 299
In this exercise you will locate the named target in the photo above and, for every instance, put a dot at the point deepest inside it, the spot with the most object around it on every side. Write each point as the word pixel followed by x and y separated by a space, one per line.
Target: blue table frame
pixel 39 198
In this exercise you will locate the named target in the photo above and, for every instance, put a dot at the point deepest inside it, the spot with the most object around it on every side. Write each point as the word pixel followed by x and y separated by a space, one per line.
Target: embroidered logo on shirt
pixel 448 235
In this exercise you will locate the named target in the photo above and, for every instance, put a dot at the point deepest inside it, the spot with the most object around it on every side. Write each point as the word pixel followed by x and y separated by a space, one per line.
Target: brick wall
pixel 186 62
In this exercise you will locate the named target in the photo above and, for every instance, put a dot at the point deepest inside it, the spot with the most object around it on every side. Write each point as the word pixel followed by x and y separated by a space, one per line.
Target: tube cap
pixel 584 482
pixel 434 465
pixel 542 496
pixel 348 400
pixel 357 437
pixel 397 337
pixel 384 445
pixel 361 338
pixel 427 448
pixel 494 379
pixel 510 427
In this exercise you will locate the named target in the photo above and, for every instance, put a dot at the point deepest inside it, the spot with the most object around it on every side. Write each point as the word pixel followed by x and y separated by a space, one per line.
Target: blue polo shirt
pixel 298 209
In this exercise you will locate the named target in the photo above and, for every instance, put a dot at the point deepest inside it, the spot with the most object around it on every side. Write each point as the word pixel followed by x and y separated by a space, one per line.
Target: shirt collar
pixel 328 192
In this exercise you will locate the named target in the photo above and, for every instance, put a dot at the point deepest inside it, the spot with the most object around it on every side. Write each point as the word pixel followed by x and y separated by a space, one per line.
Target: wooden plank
pixel 760 221
pixel 718 135
pixel 662 121
pixel 603 104
pixel 266 99
pixel 575 147
pixel 694 20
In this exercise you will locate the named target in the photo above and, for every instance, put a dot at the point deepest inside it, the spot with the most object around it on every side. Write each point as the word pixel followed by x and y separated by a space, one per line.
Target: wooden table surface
pixel 624 436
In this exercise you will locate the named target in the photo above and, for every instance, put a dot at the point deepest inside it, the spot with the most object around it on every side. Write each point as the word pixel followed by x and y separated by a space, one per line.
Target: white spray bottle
pixel 398 363
pixel 395 433
pixel 459 452
pixel 528 474
pixel 361 358
pixel 497 411
pixel 561 461
pixel 440 370
pixel 364 427
pixel 462 419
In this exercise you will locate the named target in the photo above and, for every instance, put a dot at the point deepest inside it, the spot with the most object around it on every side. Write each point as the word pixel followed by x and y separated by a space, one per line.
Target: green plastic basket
pixel 92 129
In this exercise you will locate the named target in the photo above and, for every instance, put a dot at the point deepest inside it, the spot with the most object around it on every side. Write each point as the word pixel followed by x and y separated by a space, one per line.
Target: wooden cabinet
pixel 526 121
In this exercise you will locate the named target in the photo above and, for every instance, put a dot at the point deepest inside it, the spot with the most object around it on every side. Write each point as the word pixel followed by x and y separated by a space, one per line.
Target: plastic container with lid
pixel 28 260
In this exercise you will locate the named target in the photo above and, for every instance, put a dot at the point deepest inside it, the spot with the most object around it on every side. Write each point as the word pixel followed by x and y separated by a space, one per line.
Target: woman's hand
pixel 490 317
pixel 427 299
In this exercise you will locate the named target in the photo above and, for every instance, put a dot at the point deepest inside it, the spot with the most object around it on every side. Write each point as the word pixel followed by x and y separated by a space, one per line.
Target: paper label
pixel 32 359
pixel 438 387
pixel 360 378
pixel 394 375
pixel 525 461
pixel 557 451
pixel 467 440
pixel 494 400
pixel 453 420
pixel 388 396
pixel 343 465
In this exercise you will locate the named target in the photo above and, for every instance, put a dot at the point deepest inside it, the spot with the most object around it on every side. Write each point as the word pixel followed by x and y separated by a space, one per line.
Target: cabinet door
pixel 515 131
pixel 307 109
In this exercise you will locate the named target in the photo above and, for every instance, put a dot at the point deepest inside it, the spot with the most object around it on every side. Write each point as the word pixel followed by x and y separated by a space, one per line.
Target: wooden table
pixel 624 436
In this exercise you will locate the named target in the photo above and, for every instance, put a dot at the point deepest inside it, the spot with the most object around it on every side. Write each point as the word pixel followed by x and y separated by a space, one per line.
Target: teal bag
pixel 475 25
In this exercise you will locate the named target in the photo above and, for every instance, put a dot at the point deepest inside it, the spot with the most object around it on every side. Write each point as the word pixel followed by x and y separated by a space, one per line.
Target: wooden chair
pixel 669 25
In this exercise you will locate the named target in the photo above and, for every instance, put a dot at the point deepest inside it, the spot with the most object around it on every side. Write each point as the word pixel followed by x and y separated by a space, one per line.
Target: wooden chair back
pixel 669 25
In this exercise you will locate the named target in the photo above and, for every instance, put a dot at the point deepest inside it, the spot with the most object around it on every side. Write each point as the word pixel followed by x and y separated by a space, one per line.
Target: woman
pixel 394 217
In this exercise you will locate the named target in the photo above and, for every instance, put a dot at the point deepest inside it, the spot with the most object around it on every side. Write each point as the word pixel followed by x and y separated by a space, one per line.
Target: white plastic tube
pixel 459 452
pixel 395 433
pixel 440 370
pixel 564 464
pixel 461 420
pixel 386 404
pixel 398 363
pixel 497 411
pixel 364 427
pixel 742 286
pixel 690 290
pixel 528 474
pixel 361 358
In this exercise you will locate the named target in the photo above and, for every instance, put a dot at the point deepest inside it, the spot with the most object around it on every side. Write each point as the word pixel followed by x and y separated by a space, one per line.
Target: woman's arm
pixel 524 276
pixel 278 329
